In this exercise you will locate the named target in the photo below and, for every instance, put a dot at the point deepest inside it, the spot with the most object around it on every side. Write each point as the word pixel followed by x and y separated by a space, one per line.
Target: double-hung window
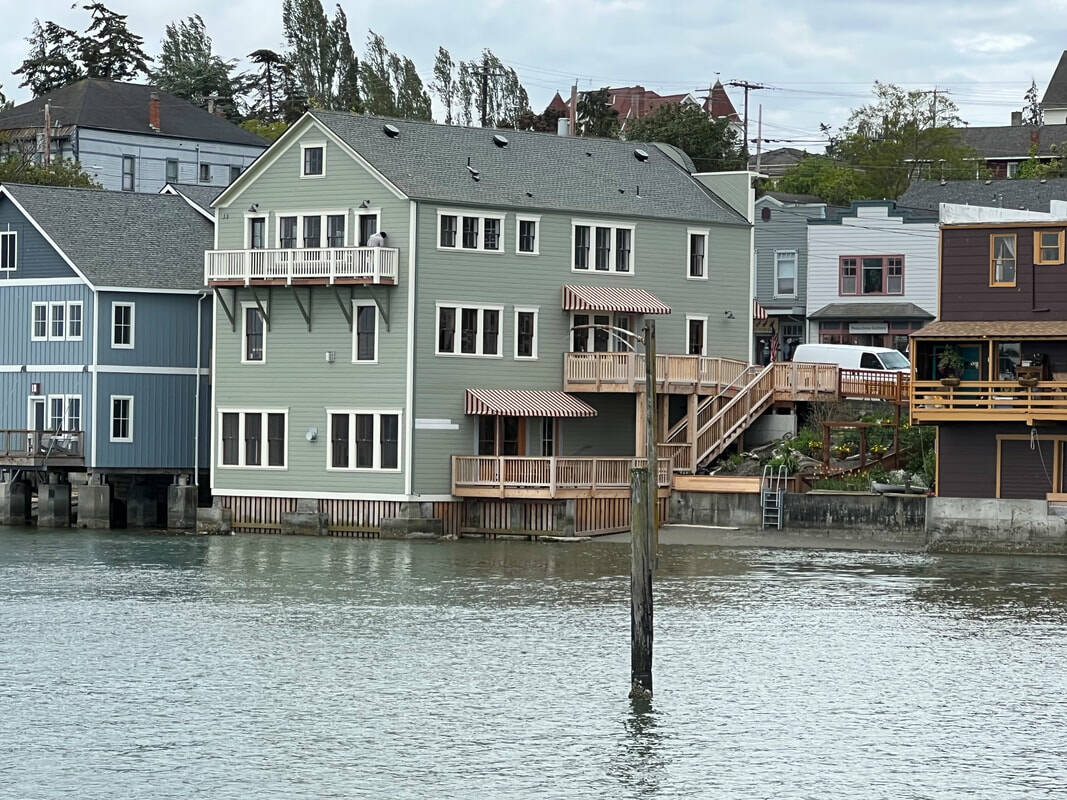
pixel 785 273
pixel 590 334
pixel 468 330
pixel 458 230
pixel 57 322
pixel 470 233
pixel 526 235
pixel 172 170
pixel 364 440
pixel 129 173
pixel 235 173
pixel 335 230
pixel 121 418
pixel 313 160
pixel 254 336
pixel 122 325
pixel 57 329
pixel 257 233
pixel 602 247
pixel 697 255
pixel 696 343
pixel 365 332
pixel 8 251
pixel 253 438
pixel 205 173
pixel 313 232
pixel 1002 250
pixel 39 325
pixel 525 333
pixel 287 233
pixel 1048 246
pixel 862 275
pixel 64 413
pixel 74 322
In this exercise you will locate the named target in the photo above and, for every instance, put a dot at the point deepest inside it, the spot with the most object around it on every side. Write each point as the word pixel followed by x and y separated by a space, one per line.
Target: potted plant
pixel 950 366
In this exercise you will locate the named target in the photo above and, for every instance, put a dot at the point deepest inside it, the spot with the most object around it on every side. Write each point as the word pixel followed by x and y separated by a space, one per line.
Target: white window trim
pixel 536 220
pixel 481 216
pixel 33 321
pixel 251 215
pixel 356 305
pixel 308 146
pixel 133 325
pixel 62 337
pixel 796 270
pixel 200 172
pixel 3 248
pixel 81 321
pixel 133 173
pixel 244 332
pixel 481 308
pixel 689 234
pixel 378 413
pixel 593 224
pixel 704 330
pixel 111 418
pixel 264 453
pixel 614 343
pixel 66 398
pixel 300 215
pixel 535 310
pixel 177 170
pixel 360 212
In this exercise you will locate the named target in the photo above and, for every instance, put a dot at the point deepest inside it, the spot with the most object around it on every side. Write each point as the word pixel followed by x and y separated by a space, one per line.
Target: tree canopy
pixel 595 116
pixel 189 69
pixel 712 144
pixel 826 179
pixel 24 168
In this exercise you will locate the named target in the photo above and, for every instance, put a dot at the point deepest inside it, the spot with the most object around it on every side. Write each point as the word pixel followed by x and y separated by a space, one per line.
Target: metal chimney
pixel 563 127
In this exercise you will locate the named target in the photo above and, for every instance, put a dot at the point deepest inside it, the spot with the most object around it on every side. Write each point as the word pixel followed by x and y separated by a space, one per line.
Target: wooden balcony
pixel 26 448
pixel 307 266
pixel 988 401
pixel 625 372
pixel 549 478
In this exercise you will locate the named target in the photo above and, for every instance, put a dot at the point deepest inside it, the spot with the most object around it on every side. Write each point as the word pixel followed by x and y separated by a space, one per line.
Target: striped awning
pixel 525 403
pixel 758 311
pixel 614 299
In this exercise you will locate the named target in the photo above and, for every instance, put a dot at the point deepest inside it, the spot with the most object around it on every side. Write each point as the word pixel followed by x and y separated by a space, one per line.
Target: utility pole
pixel 747 86
pixel 643 493
pixel 574 110
pixel 759 139
pixel 47 133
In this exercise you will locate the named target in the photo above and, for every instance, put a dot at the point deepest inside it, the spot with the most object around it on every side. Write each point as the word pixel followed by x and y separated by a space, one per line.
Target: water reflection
pixel 641 760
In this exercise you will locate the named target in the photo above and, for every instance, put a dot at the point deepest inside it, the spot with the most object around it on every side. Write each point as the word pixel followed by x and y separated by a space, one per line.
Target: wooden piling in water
pixel 641 555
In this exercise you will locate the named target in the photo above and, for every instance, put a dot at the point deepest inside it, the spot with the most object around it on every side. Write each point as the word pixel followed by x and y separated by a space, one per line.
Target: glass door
pixel 36 423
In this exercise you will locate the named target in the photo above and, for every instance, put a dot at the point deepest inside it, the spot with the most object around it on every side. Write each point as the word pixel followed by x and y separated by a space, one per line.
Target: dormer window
pixel 313 160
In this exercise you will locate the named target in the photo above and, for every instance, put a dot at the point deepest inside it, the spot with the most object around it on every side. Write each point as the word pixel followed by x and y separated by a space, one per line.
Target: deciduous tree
pixel 712 144
pixel 444 82
pixel 595 116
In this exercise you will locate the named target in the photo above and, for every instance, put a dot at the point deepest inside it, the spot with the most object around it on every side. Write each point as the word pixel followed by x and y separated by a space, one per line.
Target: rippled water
pixel 270 667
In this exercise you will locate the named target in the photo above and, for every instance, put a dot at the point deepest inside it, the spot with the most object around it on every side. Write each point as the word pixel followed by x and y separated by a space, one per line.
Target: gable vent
pixel 640 155
pixel 499 140
pixel 391 131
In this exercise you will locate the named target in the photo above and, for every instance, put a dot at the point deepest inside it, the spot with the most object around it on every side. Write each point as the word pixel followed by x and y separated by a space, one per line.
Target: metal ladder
pixel 772 490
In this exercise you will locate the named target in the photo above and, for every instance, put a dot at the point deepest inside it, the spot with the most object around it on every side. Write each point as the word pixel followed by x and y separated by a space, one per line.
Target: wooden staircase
pixel 721 418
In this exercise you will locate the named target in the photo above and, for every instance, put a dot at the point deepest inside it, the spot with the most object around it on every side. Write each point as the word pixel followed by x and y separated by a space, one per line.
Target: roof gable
pixel 1056 91
pixel 117 106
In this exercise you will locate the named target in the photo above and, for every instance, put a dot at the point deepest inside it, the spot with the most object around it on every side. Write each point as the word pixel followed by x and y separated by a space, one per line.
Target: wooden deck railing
pixel 734 417
pixel 625 372
pixel 549 477
pixel 330 264
pixel 795 380
pixel 988 400
pixel 872 384
pixel 25 446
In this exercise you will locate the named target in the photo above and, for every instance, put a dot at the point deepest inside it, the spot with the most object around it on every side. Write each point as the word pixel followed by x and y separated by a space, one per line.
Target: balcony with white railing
pixel 304 266
pixel 549 477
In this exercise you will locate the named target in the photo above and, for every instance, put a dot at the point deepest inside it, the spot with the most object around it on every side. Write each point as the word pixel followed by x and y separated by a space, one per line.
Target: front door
pixel 512 436
pixel 36 422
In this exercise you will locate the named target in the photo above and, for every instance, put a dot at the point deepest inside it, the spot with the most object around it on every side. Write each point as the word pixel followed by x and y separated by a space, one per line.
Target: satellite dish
pixel 499 140
pixel 391 130
pixel 641 155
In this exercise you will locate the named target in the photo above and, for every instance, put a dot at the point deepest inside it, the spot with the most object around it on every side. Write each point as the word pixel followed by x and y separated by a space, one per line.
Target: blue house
pixel 129 136
pixel 104 346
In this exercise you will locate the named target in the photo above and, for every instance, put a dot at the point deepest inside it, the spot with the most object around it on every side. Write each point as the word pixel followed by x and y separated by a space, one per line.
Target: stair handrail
pixel 681 424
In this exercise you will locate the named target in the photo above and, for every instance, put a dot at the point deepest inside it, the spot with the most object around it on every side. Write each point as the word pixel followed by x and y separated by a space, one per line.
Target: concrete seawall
pixel 934 524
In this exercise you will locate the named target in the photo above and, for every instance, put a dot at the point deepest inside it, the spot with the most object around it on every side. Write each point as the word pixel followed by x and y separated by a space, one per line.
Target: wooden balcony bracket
pixel 346 305
pixel 304 312
pixel 383 304
pixel 259 304
pixel 230 311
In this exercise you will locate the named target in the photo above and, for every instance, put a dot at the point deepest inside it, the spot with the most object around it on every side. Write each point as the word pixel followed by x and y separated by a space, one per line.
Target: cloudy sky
pixel 819 57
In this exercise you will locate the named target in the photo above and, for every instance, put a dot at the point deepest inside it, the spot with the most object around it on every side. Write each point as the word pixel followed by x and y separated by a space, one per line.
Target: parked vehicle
pixel 853 356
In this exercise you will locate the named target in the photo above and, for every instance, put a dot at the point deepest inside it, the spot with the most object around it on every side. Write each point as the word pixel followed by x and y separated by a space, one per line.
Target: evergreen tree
pixel 1032 113
pixel 412 101
pixel 312 51
pixel 53 59
pixel 376 77
pixel 109 50
pixel 347 96
pixel 444 82
pixel 189 69
pixel 294 102
pixel 267 84
pixel 489 85
pixel 596 117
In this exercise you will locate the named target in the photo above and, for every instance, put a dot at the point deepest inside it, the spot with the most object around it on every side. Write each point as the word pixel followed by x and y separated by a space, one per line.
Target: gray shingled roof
pixel 115 106
pixel 790 197
pixel 1056 93
pixel 871 311
pixel 135 241
pixel 202 196
pixel 535 170
pixel 1029 194
pixel 1014 141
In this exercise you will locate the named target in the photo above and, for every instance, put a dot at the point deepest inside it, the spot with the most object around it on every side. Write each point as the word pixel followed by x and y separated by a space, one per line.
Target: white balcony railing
pixel 330 264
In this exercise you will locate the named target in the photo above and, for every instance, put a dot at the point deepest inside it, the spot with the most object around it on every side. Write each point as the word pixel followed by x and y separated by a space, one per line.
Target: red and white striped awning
pixel 758 311
pixel 525 403
pixel 613 299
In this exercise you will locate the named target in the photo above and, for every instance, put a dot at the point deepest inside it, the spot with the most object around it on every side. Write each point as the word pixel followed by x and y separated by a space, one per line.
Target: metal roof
pixel 613 299
pixel 122 239
pixel 871 311
pixel 525 403
pixel 427 161
pixel 1007 329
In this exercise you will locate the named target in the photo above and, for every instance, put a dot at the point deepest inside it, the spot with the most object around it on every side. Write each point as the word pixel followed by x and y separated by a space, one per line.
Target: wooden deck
pixel 28 449
pixel 549 478
pixel 302 266
pixel 625 372
pixel 988 401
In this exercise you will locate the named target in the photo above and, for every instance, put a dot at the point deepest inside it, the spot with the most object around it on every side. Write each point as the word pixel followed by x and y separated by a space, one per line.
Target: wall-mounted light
pixel 728 314
pixel 252 209
pixel 312 434
pixel 365 204
pixel 331 356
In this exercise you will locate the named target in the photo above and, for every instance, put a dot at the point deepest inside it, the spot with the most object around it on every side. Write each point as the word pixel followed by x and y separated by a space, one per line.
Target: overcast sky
pixel 821 57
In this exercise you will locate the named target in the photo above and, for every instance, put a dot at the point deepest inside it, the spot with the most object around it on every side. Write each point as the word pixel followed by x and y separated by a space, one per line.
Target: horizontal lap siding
pixel 965 290
pixel 1025 472
pixel 787 229
pixel 967 460
pixel 507 279
pixel 296 375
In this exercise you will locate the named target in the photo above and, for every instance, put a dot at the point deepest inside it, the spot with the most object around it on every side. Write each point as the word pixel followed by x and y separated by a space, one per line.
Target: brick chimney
pixel 153 111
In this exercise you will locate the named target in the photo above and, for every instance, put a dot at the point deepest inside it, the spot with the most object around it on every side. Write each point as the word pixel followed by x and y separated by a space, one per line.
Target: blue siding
pixel 16 326
pixel 164 421
pixel 164 330
pixel 36 258
pixel 15 394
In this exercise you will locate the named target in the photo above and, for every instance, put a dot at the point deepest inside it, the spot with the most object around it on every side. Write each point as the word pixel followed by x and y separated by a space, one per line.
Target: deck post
pixel 692 402
pixel 639 444
pixel 642 522
pixel 650 433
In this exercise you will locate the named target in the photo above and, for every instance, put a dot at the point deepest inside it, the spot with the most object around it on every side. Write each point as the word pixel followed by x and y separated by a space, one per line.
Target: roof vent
pixel 589 153
pixel 474 173
pixel 641 155
pixel 622 191
pixel 391 130
pixel 499 140
pixel 529 194
pixel 1044 180
pixel 988 182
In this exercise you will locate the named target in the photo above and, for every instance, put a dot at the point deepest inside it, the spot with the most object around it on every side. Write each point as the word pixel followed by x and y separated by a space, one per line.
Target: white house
pixel 872 275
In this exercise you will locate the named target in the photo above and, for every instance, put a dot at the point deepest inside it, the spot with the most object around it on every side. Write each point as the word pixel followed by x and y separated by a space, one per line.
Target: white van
pixel 853 356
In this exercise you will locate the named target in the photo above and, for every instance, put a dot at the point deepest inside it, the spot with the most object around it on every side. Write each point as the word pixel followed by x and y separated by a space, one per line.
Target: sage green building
pixel 351 368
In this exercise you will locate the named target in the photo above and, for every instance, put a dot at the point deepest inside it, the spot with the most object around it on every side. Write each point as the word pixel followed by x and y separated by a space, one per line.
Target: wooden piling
pixel 651 451
pixel 641 554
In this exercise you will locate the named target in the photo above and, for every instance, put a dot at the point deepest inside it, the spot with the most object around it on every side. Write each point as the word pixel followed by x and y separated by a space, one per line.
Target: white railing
pixel 375 264
pixel 548 475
